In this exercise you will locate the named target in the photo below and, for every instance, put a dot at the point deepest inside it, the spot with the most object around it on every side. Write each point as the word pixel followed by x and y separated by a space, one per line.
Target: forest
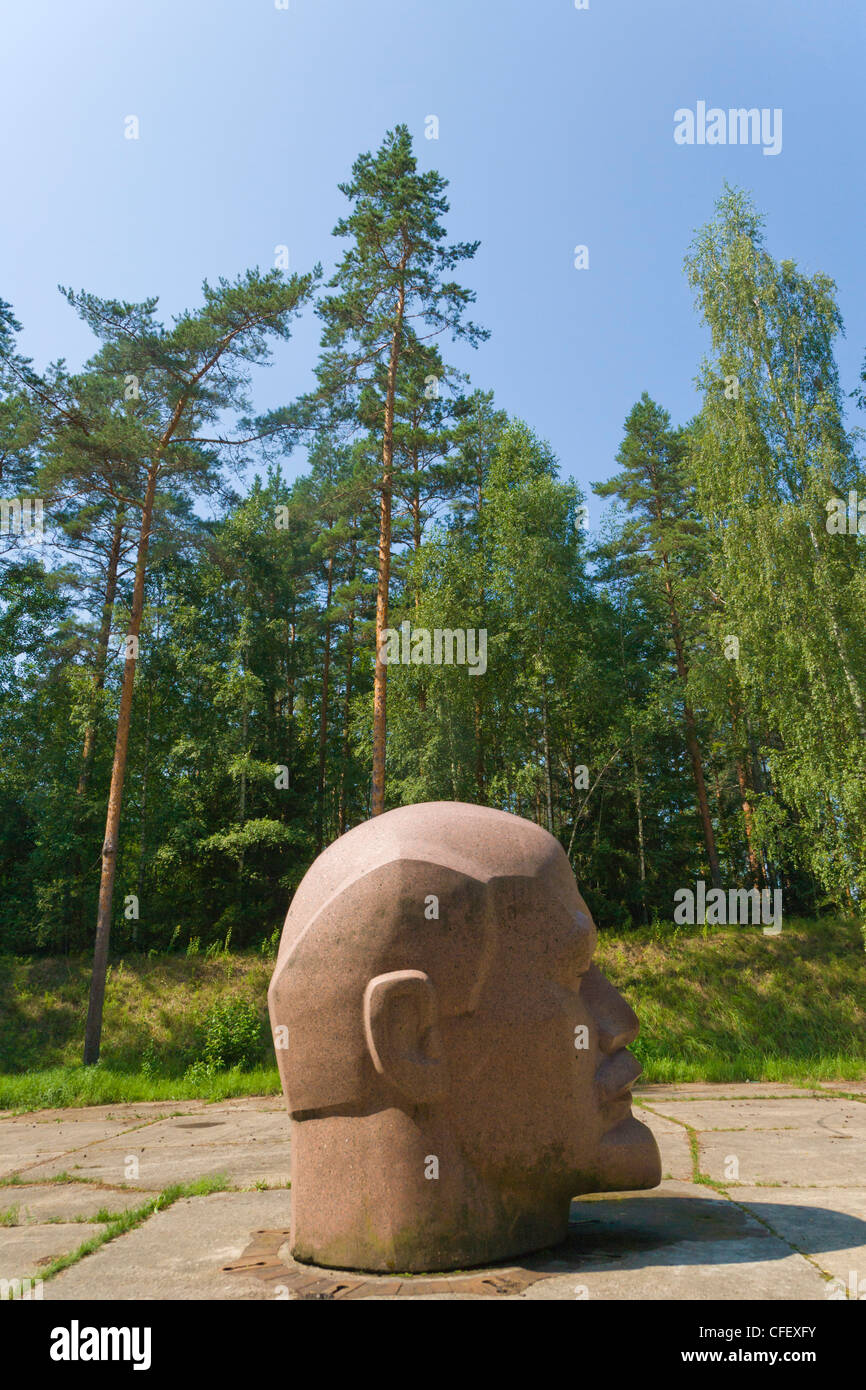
pixel 201 682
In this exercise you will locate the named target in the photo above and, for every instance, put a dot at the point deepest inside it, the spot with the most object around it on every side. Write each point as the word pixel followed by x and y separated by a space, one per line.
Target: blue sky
pixel 555 129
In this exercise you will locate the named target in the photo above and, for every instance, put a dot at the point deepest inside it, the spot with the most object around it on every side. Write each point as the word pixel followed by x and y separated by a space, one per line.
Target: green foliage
pixel 232 1035
pixel 150 1061
pixel 250 745
pixel 728 1004
pixel 767 459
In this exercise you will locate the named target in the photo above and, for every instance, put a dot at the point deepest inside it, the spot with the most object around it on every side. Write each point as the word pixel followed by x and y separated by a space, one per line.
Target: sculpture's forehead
pixel 407 847
pixel 479 841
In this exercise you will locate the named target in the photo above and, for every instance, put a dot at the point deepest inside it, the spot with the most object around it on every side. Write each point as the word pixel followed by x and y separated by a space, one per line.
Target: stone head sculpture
pixel 455 1066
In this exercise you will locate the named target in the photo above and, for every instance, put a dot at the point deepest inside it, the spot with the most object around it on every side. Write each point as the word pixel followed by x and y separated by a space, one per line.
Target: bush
pixel 233 1035
pixel 150 1061
pixel 271 944
pixel 199 1071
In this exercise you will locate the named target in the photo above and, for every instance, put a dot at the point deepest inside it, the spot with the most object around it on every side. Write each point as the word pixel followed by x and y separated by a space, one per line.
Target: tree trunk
pixel 640 832
pixel 635 772
pixel 142 849
pixel 380 684
pixel 692 736
pixel 548 775
pixel 290 693
pixel 703 803
pixel 242 803
pixel 723 838
pixel 748 821
pixel 415 507
pixel 93 1028
pixel 323 722
pixel 350 661
pixel 479 750
pixel 102 642
pixel 742 782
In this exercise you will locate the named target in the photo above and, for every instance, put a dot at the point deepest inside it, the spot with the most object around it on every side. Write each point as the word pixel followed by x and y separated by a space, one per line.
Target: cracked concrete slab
pixel 828 1225
pixel 129 1112
pixel 246 1144
pixel 65 1201
pixel 254 1102
pixel 824 1112
pixel 24 1250
pixel 791 1237
pixel 723 1090
pixel 680 1241
pixel 785 1278
pixel 31 1142
pixel 808 1156
pixel 178 1253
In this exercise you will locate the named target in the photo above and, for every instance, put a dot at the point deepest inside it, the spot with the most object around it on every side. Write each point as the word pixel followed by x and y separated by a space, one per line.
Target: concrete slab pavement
pixel 790 1224
pixel 26 1250
pixel 178 1253
pixel 151 1153
pixel 45 1202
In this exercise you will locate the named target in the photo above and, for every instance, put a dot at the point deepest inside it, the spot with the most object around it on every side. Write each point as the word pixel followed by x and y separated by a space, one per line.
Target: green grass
pixel 730 1004
pixel 722 1004
pixel 118 1223
pixel 154 1010
pixel 754 1066
pixel 16 1180
pixel 99 1085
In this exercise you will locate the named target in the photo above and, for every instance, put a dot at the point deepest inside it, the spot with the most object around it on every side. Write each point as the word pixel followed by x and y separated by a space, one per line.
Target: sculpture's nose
pixel 616 1022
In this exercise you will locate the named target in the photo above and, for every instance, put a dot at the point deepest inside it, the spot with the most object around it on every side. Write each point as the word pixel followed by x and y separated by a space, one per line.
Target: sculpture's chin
pixel 628 1158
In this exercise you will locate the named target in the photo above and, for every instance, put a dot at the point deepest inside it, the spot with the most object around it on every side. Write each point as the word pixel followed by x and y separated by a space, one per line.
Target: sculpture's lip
pixel 616 1076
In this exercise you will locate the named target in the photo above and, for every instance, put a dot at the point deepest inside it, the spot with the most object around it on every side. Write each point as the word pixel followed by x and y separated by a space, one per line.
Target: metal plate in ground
pixel 288 1279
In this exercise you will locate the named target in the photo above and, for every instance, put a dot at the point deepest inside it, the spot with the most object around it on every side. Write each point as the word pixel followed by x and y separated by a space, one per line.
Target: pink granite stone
pixel 454 1065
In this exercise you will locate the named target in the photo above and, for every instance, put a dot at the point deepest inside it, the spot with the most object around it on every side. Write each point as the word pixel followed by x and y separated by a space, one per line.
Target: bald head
pixel 429 889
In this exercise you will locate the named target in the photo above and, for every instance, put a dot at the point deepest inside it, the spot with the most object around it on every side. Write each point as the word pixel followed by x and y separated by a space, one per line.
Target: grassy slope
pixel 731 1004
pixel 728 1004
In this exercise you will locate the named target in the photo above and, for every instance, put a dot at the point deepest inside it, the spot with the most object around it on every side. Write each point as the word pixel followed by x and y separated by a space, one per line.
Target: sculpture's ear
pixel 402 1030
